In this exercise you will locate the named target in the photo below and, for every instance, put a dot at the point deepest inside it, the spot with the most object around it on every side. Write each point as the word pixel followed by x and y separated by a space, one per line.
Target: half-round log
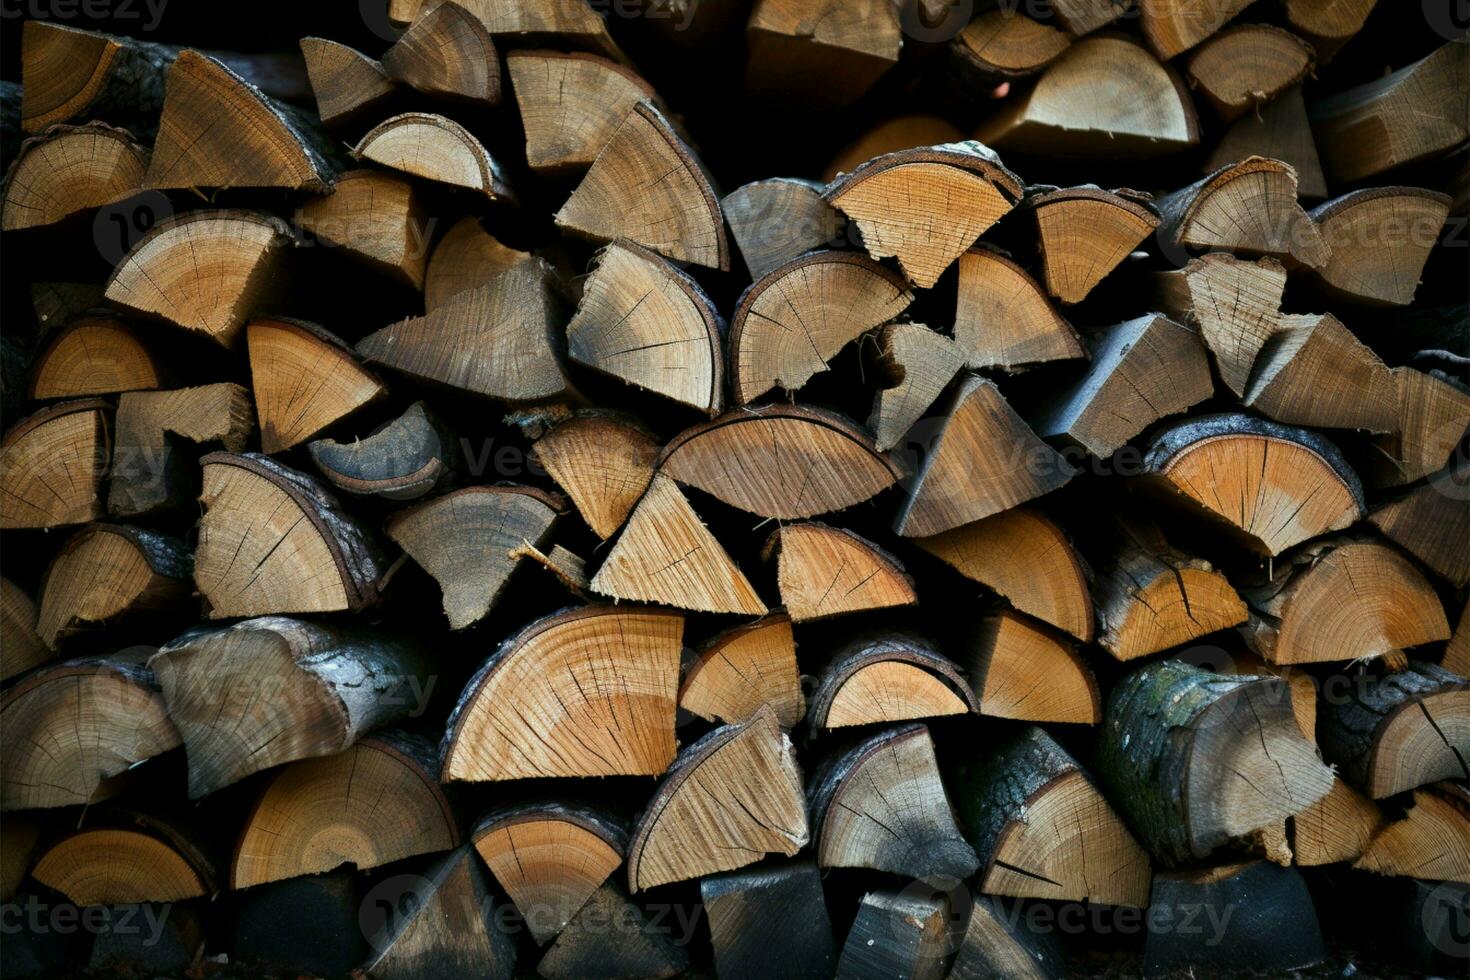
pixel 827 571
pixel 118 866
pixel 108 571
pixel 777 219
pixel 1021 669
pixel 1246 65
pixel 1171 29
pixel 52 466
pixel 1248 208
pixel 430 146
pixel 70 169
pixel 571 103
pixel 1005 44
pixel 1431 842
pixel 96 355
pixel 1368 263
pixel 349 86
pixel 447 53
pixel 1085 232
pixel 742 668
pixel 885 677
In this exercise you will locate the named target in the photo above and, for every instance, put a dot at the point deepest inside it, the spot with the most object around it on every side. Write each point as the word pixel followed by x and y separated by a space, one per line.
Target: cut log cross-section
pixel 1336 828
pixel 305 379
pixel 69 170
pixel 571 104
pixel 1233 303
pixel 1313 371
pixel 349 86
pixel 575 24
pixel 1021 669
pixel 96 355
pixel 402 460
pixel 69 72
pixel 23 648
pixel 53 464
pixel 120 866
pixel 1003 319
pixel 376 217
pixel 603 463
pixel 106 572
pixel 466 257
pixel 150 471
pixel 1172 29
pixel 1328 24
pixel 435 148
pixel 1248 208
pixel 742 668
pixel 919 364
pixel 1431 525
pixel 1368 264
pixel 898 934
pixel 1431 842
pixel 779 219
pixel 828 571
pixel 1433 416
pixel 612 937
pixel 1085 232
pixel 1246 65
pixel 832 51
pixel 1004 44
pixel 885 677
pixel 447 53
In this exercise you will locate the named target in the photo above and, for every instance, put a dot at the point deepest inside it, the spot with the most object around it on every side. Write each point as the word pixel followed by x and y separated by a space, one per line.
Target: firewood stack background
pixel 744 489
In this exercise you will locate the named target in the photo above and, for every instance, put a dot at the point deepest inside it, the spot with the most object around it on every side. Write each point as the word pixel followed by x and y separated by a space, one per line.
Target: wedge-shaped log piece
pixel 1431 525
pixel 447 52
pixel 466 257
pixel 903 132
pixel 880 804
pixel 826 53
pixel 998 943
pixel 742 668
pixel 430 146
pixel 1344 599
pixel 666 555
pixel 1196 759
pixel 68 170
pixel 1457 651
pixel 898 934
pixel 769 921
pixel 982 459
pixel 577 24
pixel 1171 29
pixel 603 463
pixel 23 648
pixel 1393 732
pixel 350 87
pixel 496 340
pixel 119 866
pixel 1027 559
pixel 305 379
pixel 921 362
pixel 792 321
pixel 373 804
pixel 464 539
pixel 1313 371
pixel 270 690
pixel 731 798
pixel 151 472
pixel 1367 262
pixel 1084 232
pixel 376 217
pixel 1021 669
pixel 1328 24
pixel 1247 65
pixel 828 571
pixel 571 104
pixel 1337 828
pixel 550 858
pixel 1233 303
pixel 1249 208
pixel 96 355
pixel 647 186
pixel 206 271
pixel 1003 319
pixel 448 928
pixel 1278 129
pixel 1142 370
pixel 780 461
pixel 71 727
pixel 644 321
pixel 1430 842
pixel 927 205
pixel 69 72
pixel 272 540
pixel 888 676
pixel 402 460
pixel 1411 114
pixel 612 938
pixel 589 691
pixel 1105 97
pixel 1271 486
pixel 52 465
pixel 1433 414
pixel 778 219
pixel 1005 44
pixel 218 130
pixel 106 572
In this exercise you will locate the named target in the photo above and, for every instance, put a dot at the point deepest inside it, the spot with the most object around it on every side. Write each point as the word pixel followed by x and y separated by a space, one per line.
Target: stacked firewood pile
pixel 775 489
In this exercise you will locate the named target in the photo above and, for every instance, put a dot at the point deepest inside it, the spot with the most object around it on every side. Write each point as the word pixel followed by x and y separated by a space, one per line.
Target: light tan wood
pixel 1336 828
pixel 1431 842
pixel 568 23
pixel 1233 303
pixel 106 572
pixel 921 362
pixel 1171 28
pixel 376 217
pixel 571 104
pixel 1278 129
pixel 68 170
pixel 1430 524
pixel 887 676
pixel 447 53
pixel 466 257
pixel 107 866
pixel 778 219
pixel 1085 232
pixel 1378 240
pixel 828 52
pixel 1021 669
pixel 305 380
pixel 1246 65
pixel 891 135
pixel 52 466
pixel 827 571
pixel 1003 319
pixel 96 355
pixel 1313 371
pixel 1433 414
pixel 23 648
pixel 1247 208
pixel 603 463
pixel 1328 24
pixel 1081 17
pixel 1006 44
pixel 430 146
pixel 742 668
pixel 348 85
pixel 150 467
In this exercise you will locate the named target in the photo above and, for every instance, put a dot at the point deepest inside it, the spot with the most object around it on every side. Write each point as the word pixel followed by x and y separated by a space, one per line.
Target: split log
pixel 305 379
pixel 742 668
pixel 445 930
pixel 447 53
pixel 827 571
pixel 1433 414
pixel 430 146
pixel 1431 841
pixel 647 323
pixel 982 459
pixel 647 186
pixel 1028 560
pixel 107 572
pixel 96 355
pixel 350 88
pixel 730 798
pixel 376 217
pixel 1002 318
pixel 571 103
pixel 1042 829
pixel 466 257
pixel 897 934
pixel 927 205
pixel 1141 371
pixel 998 943
pixel 1233 303
pixel 1081 17
pixel 205 271
pixel 603 463
pixel 1414 113
pixel 536 21
pixel 68 170
pixel 1337 828
pixel 905 132
pixel 793 320
pixel 1391 733
pixel 1431 525
pixel 52 465
pixel 1313 371
pixel 1171 29
pixel 665 554
pixel 884 677
pixel 1249 208
pixel 1106 96
pixel 1328 24
pixel 611 939
pixel 1379 239
pixel 271 690
pixel 1195 759
pixel 273 541
pixel 881 805
pixel 1281 130
pixel 72 727
pixel 1085 232
pixel 543 704
pixel 1003 44
pixel 1247 65
pixel 550 858
pixel 149 471
pixel 830 52
pixel 776 220
pixel 1294 483
pixel 375 803
pixel 1273 926
pixel 745 458
pixel 23 648
pixel 1023 670
pixel 921 362
pixel 121 865
pixel 769 921
pixel 1343 599
pixel 1302 685
pixel 496 340
pixel 1457 652
pixel 400 460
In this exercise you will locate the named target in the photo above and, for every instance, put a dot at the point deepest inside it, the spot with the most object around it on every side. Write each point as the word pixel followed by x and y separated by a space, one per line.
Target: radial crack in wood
pixel 53 464
pixel 305 379
pixel 742 668
pixel 1249 208
pixel 827 571
pixel 68 170
pixel 1233 303
pixel 1337 828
